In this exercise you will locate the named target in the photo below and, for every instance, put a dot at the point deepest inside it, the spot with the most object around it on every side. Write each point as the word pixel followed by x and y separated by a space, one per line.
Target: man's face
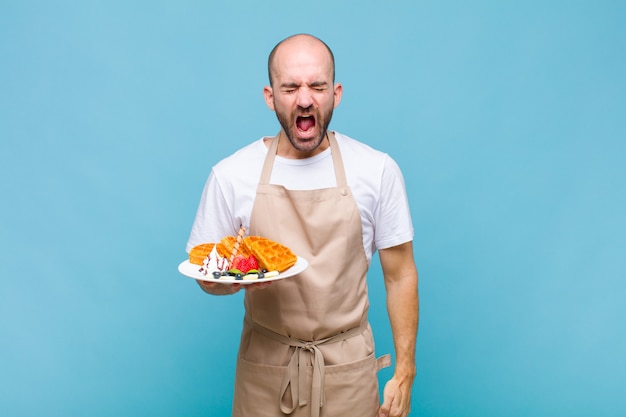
pixel 302 94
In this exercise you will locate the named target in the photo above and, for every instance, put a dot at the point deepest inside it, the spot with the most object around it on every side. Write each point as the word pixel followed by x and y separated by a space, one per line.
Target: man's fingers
pixel 392 405
pixel 385 408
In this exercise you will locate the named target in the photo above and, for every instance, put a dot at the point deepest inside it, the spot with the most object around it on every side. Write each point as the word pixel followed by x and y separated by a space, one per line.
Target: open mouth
pixel 305 123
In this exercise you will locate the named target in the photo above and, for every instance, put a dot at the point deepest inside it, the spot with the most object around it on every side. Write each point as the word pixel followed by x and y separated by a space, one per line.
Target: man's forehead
pixel 302 58
pixel 303 67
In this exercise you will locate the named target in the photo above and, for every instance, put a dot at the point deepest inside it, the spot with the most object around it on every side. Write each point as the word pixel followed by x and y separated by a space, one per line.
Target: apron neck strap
pixel 340 173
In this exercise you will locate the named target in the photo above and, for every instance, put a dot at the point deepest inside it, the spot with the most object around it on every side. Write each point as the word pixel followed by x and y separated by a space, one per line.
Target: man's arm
pixel 403 307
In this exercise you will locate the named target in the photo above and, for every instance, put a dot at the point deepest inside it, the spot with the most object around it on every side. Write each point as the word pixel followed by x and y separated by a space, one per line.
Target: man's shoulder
pixel 247 154
pixel 353 149
pixel 242 164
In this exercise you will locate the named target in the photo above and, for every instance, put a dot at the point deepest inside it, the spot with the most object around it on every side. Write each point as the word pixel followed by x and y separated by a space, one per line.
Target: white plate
pixel 193 271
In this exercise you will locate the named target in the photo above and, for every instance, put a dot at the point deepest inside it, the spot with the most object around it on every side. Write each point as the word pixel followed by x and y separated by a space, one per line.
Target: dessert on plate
pixel 249 258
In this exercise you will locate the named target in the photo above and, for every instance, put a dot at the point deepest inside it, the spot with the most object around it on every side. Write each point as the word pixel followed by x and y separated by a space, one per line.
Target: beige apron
pixel 307 347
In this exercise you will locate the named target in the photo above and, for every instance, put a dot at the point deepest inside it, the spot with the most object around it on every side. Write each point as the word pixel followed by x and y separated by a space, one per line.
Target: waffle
pixel 198 253
pixel 271 255
pixel 226 246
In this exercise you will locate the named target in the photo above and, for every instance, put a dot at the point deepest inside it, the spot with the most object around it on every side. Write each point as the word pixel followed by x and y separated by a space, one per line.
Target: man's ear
pixel 337 92
pixel 268 93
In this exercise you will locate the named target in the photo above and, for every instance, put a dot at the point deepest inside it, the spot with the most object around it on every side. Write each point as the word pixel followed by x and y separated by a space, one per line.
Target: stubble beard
pixel 307 145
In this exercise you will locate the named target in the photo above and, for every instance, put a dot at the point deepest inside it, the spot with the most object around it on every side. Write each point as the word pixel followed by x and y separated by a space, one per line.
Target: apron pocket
pixel 256 389
pixel 352 389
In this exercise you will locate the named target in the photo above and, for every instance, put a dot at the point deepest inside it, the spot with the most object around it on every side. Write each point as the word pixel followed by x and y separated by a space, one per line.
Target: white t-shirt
pixel 374 178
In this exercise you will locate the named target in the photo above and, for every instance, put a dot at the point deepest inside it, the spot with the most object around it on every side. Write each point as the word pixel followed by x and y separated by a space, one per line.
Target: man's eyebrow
pixel 296 85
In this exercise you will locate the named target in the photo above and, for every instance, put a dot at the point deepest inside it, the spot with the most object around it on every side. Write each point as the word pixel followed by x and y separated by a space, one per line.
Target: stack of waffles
pixel 271 255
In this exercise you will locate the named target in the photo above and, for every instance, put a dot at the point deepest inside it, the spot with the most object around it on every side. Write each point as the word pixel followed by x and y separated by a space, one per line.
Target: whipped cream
pixel 214 262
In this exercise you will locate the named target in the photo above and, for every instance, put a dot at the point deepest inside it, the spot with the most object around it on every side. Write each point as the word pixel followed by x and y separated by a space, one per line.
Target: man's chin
pixel 307 144
pixel 304 141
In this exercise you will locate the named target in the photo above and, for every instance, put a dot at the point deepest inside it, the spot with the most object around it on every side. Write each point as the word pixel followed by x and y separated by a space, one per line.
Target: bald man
pixel 307 347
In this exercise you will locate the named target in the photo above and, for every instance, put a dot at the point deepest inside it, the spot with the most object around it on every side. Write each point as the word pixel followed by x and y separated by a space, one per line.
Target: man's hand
pixel 215 288
pixel 396 398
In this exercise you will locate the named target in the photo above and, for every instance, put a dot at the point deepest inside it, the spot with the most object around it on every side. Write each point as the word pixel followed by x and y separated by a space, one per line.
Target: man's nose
pixel 304 98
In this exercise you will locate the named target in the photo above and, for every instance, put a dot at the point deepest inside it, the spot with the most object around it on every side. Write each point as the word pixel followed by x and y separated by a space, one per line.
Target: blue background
pixel 507 119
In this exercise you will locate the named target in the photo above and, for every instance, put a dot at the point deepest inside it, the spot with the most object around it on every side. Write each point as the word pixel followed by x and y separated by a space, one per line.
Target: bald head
pixel 300 42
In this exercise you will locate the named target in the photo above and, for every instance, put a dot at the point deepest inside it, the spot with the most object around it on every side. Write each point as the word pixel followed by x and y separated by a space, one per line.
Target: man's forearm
pixel 403 310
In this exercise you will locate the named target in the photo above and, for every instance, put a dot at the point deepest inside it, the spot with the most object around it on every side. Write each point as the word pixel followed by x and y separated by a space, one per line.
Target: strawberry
pixel 246 264
pixel 252 262
pixel 238 263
